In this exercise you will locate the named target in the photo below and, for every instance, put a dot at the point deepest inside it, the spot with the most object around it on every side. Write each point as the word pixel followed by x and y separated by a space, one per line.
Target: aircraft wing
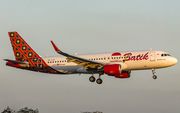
pixel 79 61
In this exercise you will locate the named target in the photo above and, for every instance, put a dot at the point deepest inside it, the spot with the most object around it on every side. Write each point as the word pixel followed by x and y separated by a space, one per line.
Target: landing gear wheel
pixel 154 77
pixel 99 81
pixel 92 79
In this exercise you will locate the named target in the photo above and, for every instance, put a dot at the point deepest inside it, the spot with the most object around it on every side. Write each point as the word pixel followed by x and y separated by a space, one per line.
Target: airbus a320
pixel 117 64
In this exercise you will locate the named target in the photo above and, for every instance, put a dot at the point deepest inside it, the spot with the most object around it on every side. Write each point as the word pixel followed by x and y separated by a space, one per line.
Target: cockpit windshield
pixel 165 55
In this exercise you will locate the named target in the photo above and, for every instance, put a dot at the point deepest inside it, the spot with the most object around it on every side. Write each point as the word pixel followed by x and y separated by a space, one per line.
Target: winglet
pixel 55 47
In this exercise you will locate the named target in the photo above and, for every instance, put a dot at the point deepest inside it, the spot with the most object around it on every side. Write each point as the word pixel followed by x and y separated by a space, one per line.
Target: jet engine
pixel 116 70
pixel 113 69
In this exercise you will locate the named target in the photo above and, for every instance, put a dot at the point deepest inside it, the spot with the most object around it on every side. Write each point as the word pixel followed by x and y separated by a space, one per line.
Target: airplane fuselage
pixel 138 60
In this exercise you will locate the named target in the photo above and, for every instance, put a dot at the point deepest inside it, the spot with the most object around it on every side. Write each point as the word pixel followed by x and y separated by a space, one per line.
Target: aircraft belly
pixel 70 69
pixel 66 69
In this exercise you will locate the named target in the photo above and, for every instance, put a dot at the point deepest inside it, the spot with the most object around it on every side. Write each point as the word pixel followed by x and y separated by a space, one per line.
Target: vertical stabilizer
pixel 23 52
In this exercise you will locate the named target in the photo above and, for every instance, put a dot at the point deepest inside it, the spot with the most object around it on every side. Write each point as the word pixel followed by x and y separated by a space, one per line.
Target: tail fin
pixel 23 52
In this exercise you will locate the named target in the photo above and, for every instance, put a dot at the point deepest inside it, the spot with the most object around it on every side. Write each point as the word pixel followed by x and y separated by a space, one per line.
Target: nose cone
pixel 174 61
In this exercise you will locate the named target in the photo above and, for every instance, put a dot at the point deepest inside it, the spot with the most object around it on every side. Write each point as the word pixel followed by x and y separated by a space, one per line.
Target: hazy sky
pixel 91 26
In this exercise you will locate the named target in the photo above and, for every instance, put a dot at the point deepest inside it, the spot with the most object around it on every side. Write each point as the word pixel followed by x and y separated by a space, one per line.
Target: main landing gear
pixel 98 81
pixel 92 78
pixel 153 72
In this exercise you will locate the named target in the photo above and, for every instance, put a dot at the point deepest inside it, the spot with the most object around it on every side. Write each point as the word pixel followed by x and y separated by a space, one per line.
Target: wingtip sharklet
pixel 55 47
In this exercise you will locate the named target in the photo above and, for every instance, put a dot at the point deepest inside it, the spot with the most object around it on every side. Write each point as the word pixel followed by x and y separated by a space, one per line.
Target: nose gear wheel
pixel 153 72
pixel 154 77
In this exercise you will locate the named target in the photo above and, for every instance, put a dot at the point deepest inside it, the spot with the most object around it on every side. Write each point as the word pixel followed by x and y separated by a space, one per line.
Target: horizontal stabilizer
pixel 16 62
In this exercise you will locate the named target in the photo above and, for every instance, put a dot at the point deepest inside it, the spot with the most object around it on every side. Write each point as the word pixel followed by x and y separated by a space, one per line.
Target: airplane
pixel 117 64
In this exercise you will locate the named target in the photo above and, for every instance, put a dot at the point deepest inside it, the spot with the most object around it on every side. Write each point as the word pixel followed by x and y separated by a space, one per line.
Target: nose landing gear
pixel 154 77
pixel 153 72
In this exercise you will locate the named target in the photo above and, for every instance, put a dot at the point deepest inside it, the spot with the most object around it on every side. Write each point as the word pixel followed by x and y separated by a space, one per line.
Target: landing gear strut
pixel 99 80
pixel 153 72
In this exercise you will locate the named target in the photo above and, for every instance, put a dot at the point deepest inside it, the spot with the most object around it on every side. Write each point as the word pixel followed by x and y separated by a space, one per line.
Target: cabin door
pixel 152 55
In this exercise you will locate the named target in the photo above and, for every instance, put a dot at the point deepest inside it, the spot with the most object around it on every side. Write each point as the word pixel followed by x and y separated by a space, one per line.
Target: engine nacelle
pixel 116 70
pixel 123 75
pixel 113 69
